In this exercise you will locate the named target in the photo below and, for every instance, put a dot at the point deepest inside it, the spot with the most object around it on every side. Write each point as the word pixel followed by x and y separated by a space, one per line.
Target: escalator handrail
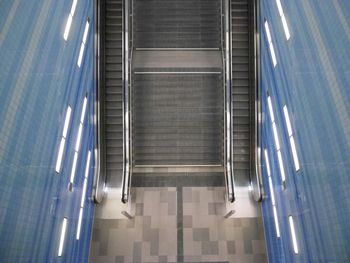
pixel 99 174
pixel 126 105
pixel 256 121
pixel 227 47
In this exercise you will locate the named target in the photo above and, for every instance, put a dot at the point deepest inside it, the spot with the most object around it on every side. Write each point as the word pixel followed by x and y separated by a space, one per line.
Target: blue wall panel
pixel 39 78
pixel 312 78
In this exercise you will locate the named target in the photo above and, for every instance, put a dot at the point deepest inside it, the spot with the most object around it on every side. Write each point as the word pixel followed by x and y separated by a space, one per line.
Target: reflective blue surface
pixel 39 78
pixel 312 78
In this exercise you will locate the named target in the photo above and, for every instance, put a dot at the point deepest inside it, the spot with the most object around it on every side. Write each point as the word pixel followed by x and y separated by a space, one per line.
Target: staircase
pixel 177 23
pixel 240 90
pixel 178 119
pixel 177 94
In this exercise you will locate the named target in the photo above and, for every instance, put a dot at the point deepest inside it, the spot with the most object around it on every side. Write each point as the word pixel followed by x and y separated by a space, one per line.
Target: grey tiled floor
pixel 209 237
pixel 178 224
pixel 149 237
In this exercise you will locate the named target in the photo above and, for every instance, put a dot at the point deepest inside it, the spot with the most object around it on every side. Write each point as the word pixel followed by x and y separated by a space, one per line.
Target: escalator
pixel 110 95
pixel 176 89
pixel 241 90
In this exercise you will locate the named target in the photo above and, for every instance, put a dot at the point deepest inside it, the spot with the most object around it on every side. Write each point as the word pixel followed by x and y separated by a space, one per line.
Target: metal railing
pixel 255 175
pixel 126 102
pixel 99 176
pixel 228 100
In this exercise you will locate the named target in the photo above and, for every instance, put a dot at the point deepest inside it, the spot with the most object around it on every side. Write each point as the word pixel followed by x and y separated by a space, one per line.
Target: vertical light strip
pixel 67 121
pixel 86 30
pixel 275 216
pixel 288 123
pixel 269 39
pixel 70 20
pixel 74 5
pixel 291 138
pixel 293 234
pixel 267 163
pixel 277 142
pixel 294 153
pixel 82 202
pixel 78 142
pixel 280 162
pixel 81 53
pixel 275 135
pixel 268 33
pixel 273 201
pixel 82 116
pixel 79 223
pixel 269 103
pixel 83 193
pixel 82 46
pixel 74 167
pixel 273 55
pixel 283 18
pixel 272 193
pixel 60 155
pixel 62 237
pixel 63 139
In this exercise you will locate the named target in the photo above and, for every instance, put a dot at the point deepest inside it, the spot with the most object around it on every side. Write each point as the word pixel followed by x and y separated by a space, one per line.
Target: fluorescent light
pixel 279 6
pixel 273 55
pixel 267 163
pixel 67 29
pixel 275 134
pixel 87 165
pixel 280 161
pixel 267 30
pixel 269 39
pixel 277 226
pixel 70 19
pixel 285 27
pixel 60 155
pixel 81 52
pixel 82 47
pixel 291 138
pixel 74 166
pixel 83 110
pixel 272 192
pixel 294 238
pixel 74 5
pixel 66 121
pixel 288 123
pixel 86 30
pixel 63 236
pixel 77 144
pixel 269 103
pixel 83 193
pixel 294 153
pixel 79 223
pixel 283 18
